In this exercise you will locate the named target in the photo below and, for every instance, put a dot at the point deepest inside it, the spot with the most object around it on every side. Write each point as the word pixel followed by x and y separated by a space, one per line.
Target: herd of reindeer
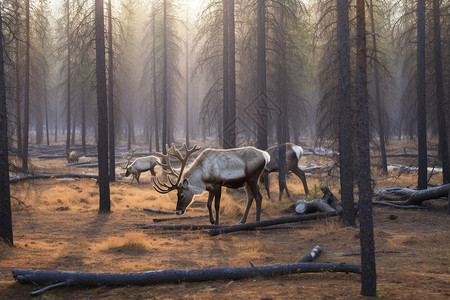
pixel 214 168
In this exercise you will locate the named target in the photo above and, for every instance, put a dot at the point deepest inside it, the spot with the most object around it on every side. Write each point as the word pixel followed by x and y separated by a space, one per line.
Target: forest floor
pixel 57 227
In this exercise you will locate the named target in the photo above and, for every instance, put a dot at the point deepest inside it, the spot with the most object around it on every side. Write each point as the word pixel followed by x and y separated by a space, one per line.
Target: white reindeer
pixel 232 168
pixel 142 164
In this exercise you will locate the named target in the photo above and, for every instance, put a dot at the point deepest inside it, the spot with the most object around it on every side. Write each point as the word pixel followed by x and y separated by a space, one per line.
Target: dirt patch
pixel 60 229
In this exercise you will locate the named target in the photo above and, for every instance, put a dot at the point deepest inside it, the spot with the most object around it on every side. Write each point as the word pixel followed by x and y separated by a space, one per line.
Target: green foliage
pixel 315 193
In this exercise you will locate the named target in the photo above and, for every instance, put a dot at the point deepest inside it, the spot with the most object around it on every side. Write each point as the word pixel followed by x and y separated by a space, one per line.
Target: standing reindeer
pixel 233 168
pixel 143 164
pixel 293 154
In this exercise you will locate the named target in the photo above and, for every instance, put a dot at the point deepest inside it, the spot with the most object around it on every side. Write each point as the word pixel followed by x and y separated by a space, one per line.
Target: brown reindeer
pixel 292 156
pixel 214 168
pixel 72 157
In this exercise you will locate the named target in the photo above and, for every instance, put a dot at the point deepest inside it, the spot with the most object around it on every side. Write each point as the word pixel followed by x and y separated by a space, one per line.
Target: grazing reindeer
pixel 72 157
pixel 293 154
pixel 233 168
pixel 142 164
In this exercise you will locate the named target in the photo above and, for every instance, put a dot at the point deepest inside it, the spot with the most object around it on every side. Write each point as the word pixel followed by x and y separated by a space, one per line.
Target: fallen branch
pixel 328 203
pixel 376 252
pixel 58 278
pixel 315 252
pixel 180 218
pixel 405 196
pixel 282 220
pixel 385 203
pixel 160 211
pixel 48 176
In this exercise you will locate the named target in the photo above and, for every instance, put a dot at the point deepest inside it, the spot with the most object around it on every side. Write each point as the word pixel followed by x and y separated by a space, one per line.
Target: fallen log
pixel 328 203
pixel 384 203
pixel 282 220
pixel 405 196
pixel 160 211
pixel 15 179
pixel 59 278
pixel 201 227
pixel 179 218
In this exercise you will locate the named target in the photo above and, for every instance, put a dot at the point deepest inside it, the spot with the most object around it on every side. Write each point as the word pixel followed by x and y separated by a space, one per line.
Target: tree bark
pixel 421 97
pixel 102 105
pixel 6 232
pixel 262 106
pixel 111 129
pixel 26 109
pixel 405 196
pixel 345 116
pixel 368 274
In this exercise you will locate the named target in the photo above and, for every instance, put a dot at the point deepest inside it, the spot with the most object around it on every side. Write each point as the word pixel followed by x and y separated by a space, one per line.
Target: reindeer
pixel 72 157
pixel 293 154
pixel 143 164
pixel 214 168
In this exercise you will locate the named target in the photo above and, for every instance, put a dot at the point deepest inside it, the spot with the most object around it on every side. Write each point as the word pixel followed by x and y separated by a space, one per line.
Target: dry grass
pixel 79 239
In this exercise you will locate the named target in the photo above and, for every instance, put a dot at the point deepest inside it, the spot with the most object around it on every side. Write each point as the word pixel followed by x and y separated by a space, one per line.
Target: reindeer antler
pixel 162 187
pixel 129 157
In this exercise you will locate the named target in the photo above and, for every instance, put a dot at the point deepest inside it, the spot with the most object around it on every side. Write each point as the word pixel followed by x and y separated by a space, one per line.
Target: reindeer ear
pixel 185 183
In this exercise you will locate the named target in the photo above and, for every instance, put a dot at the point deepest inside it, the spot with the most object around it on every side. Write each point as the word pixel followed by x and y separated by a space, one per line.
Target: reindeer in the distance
pixel 142 164
pixel 212 169
pixel 292 156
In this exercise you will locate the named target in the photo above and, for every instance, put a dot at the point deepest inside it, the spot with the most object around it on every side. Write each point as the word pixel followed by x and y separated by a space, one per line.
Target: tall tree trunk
pixel 69 78
pixel 225 88
pixel 231 77
pixel 381 131
pixel 26 112
pixel 112 134
pixel 187 79
pixel 18 85
pixel 83 120
pixel 102 106
pixel 368 274
pixel 440 111
pixel 155 102
pixel 345 116
pixel 261 138
pixel 165 131
pixel 46 107
pixel 421 97
pixel 6 233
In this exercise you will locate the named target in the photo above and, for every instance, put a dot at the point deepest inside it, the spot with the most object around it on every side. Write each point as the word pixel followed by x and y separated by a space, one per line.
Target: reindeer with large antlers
pixel 142 164
pixel 213 168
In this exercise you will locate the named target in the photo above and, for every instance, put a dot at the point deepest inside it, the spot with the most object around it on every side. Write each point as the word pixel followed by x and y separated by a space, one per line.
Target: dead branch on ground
pixel 409 197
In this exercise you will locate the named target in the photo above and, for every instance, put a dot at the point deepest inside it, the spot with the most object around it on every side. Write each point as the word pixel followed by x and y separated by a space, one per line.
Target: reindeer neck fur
pixel 194 175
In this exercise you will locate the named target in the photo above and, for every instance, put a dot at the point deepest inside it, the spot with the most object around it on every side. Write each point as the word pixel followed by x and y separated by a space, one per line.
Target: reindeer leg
pixel 265 180
pixel 249 203
pixel 217 195
pixel 152 171
pixel 258 199
pixel 137 177
pixel 300 174
pixel 209 204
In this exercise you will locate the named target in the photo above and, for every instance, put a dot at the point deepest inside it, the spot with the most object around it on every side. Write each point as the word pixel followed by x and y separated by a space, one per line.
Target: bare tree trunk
pixel 345 116
pixel 69 78
pixel 368 274
pixel 83 120
pixel 6 232
pixel 26 117
pixel 102 105
pixel 155 102
pixel 231 130
pixel 262 110
pixel 225 81
pixel 112 133
pixel 46 107
pixel 187 79
pixel 381 131
pixel 440 111
pixel 165 129
pixel 18 85
pixel 421 96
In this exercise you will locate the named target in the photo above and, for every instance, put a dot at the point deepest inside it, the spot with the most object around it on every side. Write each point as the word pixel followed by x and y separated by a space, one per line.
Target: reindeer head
pixel 184 192
pixel 127 166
